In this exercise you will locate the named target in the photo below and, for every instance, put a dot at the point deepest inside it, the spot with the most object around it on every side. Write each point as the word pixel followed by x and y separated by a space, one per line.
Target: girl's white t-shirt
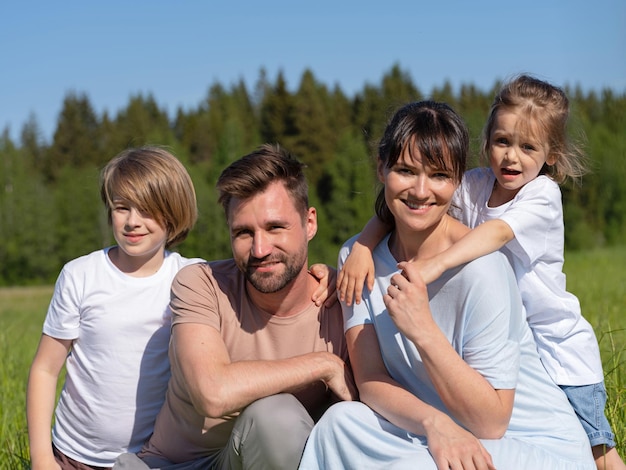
pixel 118 367
pixel 565 339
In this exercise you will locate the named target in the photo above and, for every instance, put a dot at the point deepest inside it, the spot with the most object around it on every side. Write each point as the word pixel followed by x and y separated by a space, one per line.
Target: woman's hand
pixel 452 447
pixel 407 302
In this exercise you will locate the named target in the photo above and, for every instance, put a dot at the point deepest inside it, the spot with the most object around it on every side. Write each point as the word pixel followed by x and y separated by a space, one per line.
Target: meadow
pixel 597 277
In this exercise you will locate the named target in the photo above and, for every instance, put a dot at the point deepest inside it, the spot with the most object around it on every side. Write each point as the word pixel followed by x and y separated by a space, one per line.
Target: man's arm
pixel 218 387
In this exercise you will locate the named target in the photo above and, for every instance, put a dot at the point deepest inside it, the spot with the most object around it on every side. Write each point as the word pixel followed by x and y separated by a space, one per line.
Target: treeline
pixel 50 210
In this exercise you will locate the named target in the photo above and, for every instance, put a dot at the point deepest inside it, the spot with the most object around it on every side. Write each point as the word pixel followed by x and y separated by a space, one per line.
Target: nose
pixel 511 154
pixel 422 189
pixel 261 246
pixel 133 218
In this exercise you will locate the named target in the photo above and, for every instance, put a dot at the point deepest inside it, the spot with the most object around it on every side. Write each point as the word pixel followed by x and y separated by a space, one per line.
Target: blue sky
pixel 113 49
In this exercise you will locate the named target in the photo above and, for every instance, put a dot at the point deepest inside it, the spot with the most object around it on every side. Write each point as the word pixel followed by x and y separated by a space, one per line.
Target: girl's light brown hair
pixel 155 182
pixel 546 109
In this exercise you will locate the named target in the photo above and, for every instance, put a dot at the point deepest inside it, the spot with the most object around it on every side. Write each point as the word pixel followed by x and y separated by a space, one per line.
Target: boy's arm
pixel 359 266
pixel 41 398
pixel 486 238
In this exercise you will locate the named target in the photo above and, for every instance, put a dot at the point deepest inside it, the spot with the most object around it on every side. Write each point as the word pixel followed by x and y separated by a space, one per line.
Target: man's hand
pixel 340 381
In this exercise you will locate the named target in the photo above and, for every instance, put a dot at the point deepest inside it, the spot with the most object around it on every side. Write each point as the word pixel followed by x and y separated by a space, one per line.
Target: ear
pixel 311 223
pixel 551 160
pixel 380 172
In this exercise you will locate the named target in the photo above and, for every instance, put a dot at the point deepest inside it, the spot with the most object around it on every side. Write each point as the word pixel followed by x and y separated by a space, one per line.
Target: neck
pixel 290 300
pixel 136 266
pixel 406 244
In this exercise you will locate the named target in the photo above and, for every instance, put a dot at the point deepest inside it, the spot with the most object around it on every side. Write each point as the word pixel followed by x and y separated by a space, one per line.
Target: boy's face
pixel 140 238
pixel 269 239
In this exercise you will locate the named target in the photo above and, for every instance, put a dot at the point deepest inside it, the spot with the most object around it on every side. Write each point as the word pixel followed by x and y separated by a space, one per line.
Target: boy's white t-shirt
pixel 566 341
pixel 118 367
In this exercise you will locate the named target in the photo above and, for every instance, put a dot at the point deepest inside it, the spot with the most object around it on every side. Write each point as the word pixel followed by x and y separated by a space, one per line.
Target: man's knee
pixel 273 430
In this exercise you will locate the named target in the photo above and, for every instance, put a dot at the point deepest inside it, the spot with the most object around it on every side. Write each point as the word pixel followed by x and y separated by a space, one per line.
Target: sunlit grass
pixel 597 278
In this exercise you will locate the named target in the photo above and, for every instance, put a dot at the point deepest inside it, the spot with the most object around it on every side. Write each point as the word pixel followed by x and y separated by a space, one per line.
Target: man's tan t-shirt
pixel 214 294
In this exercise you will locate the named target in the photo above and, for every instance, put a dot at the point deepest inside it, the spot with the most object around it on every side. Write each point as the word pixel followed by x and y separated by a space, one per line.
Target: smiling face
pixel 269 237
pixel 140 239
pixel 417 194
pixel 517 154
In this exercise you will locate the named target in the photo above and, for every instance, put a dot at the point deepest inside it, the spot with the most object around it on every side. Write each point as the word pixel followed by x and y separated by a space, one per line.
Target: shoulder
pixel 224 273
pixel 178 261
pixel 543 187
pixel 488 273
pixel 86 263
pixel 477 178
pixel 488 280
pixel 539 197
pixel 487 269
pixel 346 248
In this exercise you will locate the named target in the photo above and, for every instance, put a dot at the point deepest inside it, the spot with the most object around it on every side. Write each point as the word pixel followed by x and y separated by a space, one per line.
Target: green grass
pixel 597 277
pixel 22 311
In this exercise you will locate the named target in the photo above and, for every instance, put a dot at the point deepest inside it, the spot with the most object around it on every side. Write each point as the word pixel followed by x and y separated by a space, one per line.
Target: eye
pixel 241 233
pixel 529 147
pixel 120 208
pixel 441 175
pixel 501 141
pixel 403 170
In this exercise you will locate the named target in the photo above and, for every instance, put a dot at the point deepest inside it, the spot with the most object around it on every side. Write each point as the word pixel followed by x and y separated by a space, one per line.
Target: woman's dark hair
pixel 432 129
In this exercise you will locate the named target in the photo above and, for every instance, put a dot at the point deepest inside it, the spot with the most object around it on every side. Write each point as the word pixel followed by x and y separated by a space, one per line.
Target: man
pixel 254 361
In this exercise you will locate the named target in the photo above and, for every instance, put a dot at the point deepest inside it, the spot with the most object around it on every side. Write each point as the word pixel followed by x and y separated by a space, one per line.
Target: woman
pixel 450 372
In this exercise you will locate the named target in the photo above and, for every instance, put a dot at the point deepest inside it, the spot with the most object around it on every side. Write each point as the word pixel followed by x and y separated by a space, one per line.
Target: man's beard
pixel 268 283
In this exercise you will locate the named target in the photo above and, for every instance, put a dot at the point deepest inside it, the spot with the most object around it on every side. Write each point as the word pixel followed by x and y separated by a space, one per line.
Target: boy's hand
pixel 326 292
pixel 358 268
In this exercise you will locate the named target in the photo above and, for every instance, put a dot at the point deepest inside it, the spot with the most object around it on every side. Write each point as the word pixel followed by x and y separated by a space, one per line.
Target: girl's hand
pixel 326 292
pixel 358 268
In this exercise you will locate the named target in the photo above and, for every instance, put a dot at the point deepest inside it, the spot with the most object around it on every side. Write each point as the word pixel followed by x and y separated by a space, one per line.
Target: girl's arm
pixel 486 238
pixel 359 266
pixel 41 398
pixel 448 443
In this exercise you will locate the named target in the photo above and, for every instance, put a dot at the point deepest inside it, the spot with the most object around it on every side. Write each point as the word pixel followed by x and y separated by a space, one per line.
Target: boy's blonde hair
pixel 155 182
pixel 546 108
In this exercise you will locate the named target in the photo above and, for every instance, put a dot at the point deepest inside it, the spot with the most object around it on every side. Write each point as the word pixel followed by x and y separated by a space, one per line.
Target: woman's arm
pixel 448 443
pixel 470 398
pixel 41 398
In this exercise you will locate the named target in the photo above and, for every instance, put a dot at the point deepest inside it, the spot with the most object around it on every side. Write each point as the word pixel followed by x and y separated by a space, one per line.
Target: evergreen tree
pixel 314 138
pixel 277 122
pixel 76 141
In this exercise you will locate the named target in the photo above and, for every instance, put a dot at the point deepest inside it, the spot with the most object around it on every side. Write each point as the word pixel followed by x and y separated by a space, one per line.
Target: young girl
pixel 516 206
